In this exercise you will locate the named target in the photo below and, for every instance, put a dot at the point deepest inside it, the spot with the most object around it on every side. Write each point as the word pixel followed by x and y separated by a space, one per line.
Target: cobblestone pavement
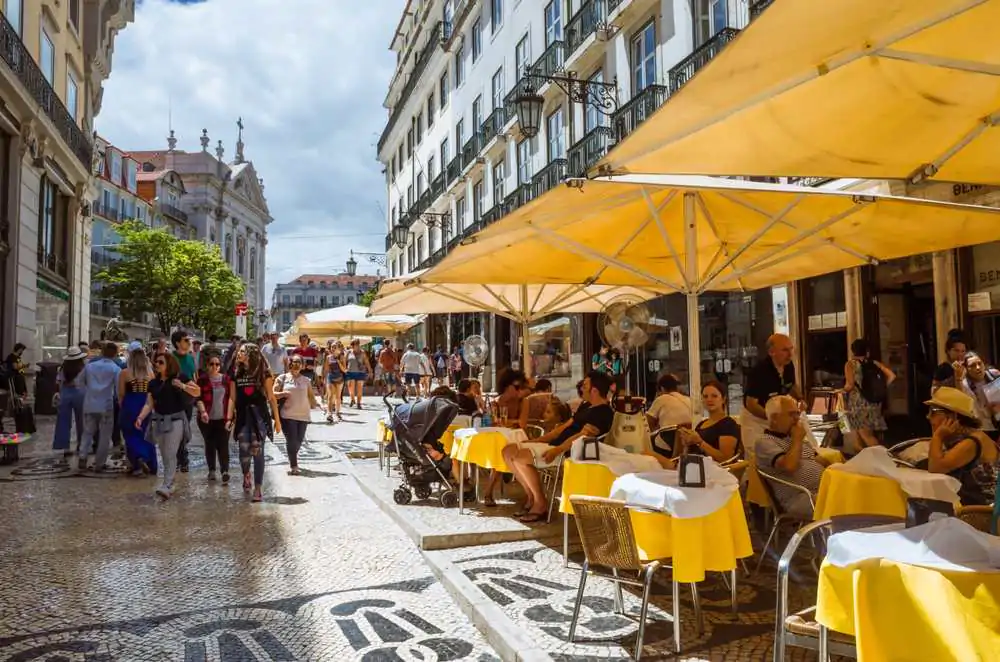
pixel 96 569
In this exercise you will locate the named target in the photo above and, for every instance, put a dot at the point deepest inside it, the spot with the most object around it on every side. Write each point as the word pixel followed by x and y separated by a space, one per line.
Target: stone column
pixel 855 304
pixel 947 308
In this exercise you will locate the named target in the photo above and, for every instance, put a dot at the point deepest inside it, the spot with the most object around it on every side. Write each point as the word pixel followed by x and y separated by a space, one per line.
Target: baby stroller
pixel 413 425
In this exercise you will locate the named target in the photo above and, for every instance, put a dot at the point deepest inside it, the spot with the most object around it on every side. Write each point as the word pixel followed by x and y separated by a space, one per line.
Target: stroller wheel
pixel 449 499
pixel 422 491
pixel 401 495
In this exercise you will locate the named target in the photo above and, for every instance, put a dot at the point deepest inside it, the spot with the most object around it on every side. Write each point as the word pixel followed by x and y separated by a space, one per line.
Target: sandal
pixel 257 496
pixel 489 502
pixel 247 484
pixel 294 471
pixel 531 518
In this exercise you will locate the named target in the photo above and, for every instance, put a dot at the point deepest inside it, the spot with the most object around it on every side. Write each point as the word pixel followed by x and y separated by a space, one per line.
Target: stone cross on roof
pixel 239 142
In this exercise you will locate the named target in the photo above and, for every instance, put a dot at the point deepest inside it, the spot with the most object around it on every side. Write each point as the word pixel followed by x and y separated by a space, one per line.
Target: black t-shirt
pixel 167 399
pixel 764 381
pixel 601 417
pixel 944 374
pixel 727 427
pixel 467 404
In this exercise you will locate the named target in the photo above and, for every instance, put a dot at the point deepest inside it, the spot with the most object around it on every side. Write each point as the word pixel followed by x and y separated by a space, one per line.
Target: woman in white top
pixel 296 397
pixel 671 408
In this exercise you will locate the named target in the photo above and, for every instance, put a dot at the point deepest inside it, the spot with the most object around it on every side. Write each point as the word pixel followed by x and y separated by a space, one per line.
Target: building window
pixel 444 153
pixel 52 228
pixel 322 301
pixel 430 110
pixel 524 162
pixel 131 170
pixel 644 58
pixel 241 248
pixel 459 66
pixel 478 200
pixel 420 248
pixel 497 88
pixel 409 143
pixel 253 264
pixel 116 168
pixel 496 16
pixel 430 167
pixel 459 135
pixel 477 114
pixel 443 89
pixel 409 196
pixel 459 215
pixel 336 300
pixel 74 14
pixel 498 177
pixel 553 22
pixel 521 57
pixel 48 57
pixel 72 92
pixel 286 299
pixel 555 135
pixel 13 10
pixel 420 128
pixel 477 39
pixel 229 249
pixel 712 17
pixel 592 118
pixel 421 184
pixel 392 167
pixel 401 157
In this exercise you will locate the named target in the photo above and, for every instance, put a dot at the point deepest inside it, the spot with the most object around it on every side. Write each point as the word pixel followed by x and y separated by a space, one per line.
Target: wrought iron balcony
pixel 110 213
pixel 590 149
pixel 437 185
pixel 493 126
pixel 757 7
pixel 423 203
pixel 173 212
pixel 548 177
pixel 492 215
pixel 551 62
pixel 457 239
pixel 809 181
pixel 406 220
pixel 582 24
pixel 685 70
pixel 521 196
pixel 471 148
pixel 454 169
pixel 433 41
pixel 452 29
pixel 23 66
pixel 640 107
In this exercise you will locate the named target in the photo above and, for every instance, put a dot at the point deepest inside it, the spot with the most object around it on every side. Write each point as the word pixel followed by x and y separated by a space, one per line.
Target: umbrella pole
pixel 525 340
pixel 694 328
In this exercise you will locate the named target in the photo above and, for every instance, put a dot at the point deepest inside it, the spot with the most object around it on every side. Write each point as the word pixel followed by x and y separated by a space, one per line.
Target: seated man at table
pixel 592 419
pixel 781 450
pixel 468 404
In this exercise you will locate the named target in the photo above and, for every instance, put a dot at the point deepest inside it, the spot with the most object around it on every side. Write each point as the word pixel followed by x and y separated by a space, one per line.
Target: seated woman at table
pixel 512 388
pixel 717 436
pixel 592 419
pixel 959 448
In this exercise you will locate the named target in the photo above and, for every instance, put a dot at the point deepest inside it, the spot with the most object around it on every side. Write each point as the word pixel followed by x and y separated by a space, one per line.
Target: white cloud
pixel 308 80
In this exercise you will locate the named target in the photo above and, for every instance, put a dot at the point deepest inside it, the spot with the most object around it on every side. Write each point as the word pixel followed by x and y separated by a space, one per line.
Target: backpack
pixel 873 386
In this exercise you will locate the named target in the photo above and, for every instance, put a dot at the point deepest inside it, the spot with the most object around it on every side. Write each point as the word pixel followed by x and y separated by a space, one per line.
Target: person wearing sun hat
pixel 70 408
pixel 959 448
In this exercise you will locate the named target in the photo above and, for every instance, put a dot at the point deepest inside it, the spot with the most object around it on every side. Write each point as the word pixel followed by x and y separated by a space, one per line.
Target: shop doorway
pixel 902 333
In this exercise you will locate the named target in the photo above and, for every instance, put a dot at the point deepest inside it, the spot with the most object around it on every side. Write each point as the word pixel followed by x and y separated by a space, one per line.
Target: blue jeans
pixel 70 409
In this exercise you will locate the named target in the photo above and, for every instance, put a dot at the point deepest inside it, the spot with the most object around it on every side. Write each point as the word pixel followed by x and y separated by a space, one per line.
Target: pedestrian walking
pixel 295 394
pixel 336 371
pixel 455 366
pixel 70 381
pixel 133 389
pixel 189 372
pixel 167 403
pixel 277 357
pixel 252 409
pixel 100 383
pixel 387 360
pixel 426 371
pixel 358 369
pixel 213 405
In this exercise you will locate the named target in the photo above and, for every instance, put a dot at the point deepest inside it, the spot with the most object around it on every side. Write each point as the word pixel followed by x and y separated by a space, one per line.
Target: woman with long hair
pixel 336 369
pixel 70 400
pixel 167 404
pixel 213 405
pixel 253 414
pixel 358 369
pixel 717 436
pixel 133 389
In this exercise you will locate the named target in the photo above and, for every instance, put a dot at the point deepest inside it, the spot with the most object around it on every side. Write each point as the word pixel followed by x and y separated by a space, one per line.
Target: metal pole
pixel 694 329
pixel 525 340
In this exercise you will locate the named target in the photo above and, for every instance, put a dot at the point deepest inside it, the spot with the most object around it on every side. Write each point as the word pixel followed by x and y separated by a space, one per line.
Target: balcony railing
pixel 521 196
pixel 451 29
pixel 590 149
pixel 472 148
pixel 433 41
pixel 437 185
pixel 110 213
pixel 454 169
pixel 551 61
pixel 53 263
pixel 757 7
pixel 548 177
pixel 173 212
pixel 640 107
pixel 20 62
pixel 423 203
pixel 685 70
pixel 582 24
pixel 493 126
pixel 491 216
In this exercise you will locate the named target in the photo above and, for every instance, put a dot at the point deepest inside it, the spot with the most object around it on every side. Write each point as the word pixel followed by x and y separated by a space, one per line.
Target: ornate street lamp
pixel 375 258
pixel 352 265
pixel 528 105
pixel 599 96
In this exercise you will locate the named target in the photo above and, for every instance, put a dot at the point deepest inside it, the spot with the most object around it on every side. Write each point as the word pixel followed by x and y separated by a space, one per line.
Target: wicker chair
pixel 801 628
pixel 609 542
pixel 980 517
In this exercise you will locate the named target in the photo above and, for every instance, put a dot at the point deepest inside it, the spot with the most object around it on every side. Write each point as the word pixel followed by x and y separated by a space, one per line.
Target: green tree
pixel 368 297
pixel 180 282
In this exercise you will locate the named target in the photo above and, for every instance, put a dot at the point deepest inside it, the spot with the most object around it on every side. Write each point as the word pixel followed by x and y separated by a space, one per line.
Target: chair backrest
pixel 979 517
pixel 912 451
pixel 606 532
pixel 768 480
pixel 534 405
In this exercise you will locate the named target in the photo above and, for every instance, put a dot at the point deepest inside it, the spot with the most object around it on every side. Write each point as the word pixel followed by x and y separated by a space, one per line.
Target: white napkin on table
pixel 661 490
pixel 618 461
pixel 876 461
pixel 946 543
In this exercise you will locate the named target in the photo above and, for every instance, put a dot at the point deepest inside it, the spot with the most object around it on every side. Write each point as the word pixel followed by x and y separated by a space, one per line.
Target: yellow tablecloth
pixel 845 493
pixel 712 543
pixel 905 613
pixel 482 449
pixel 755 488
pixel 448 438
pixel 384 433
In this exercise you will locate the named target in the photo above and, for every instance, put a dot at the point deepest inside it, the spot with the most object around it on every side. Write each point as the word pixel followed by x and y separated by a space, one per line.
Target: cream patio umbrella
pixel 882 89
pixel 423 292
pixel 351 320
pixel 696 234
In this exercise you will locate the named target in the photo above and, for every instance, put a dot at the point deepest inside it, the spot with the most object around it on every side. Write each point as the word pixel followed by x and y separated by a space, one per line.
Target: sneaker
pixel 225 476
pixel 211 475
pixel 163 492
pixel 185 468
pixel 82 464
pixel 329 418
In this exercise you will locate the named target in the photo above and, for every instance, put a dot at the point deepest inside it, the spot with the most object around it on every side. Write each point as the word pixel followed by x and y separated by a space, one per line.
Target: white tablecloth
pixel 945 543
pixel 618 461
pixel 660 490
pixel 513 435
pixel 876 461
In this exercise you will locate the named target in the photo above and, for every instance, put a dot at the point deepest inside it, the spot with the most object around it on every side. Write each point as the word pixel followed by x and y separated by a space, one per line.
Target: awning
pixel 351 320
pixel 883 89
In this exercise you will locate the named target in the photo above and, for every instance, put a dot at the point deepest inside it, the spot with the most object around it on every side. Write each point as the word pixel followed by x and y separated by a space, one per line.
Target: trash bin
pixel 45 387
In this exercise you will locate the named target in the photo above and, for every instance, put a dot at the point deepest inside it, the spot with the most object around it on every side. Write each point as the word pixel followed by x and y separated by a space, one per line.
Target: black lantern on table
pixel 692 471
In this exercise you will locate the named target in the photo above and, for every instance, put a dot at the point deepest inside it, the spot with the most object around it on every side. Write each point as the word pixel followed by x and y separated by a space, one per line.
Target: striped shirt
pixel 768 449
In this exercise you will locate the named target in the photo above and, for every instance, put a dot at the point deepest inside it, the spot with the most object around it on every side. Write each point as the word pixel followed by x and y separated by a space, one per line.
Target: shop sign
pixel 986 267
pixel 980 302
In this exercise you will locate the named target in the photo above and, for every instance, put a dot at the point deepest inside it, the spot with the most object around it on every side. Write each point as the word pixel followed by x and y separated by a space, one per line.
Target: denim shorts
pixel 357 376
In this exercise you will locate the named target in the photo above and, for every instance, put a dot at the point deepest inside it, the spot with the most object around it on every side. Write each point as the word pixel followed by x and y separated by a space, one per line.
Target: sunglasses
pixel 214 363
pixel 160 362
pixel 936 410
pixel 296 364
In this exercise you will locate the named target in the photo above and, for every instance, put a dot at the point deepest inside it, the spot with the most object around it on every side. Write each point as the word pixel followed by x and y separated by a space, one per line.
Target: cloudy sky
pixel 307 76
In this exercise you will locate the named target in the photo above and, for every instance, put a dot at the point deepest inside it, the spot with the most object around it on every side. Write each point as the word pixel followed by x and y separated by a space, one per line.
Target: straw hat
pixel 954 401
pixel 75 354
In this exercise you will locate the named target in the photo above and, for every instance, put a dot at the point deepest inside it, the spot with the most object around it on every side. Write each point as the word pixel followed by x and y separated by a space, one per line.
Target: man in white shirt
pixel 671 407
pixel 277 357
pixel 411 361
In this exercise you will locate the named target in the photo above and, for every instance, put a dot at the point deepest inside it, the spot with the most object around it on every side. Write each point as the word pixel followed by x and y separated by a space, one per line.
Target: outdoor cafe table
pixel 484 448
pixel 714 542
pixel 847 493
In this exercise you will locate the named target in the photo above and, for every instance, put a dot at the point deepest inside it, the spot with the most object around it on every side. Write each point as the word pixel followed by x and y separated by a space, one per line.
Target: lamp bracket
pixel 601 96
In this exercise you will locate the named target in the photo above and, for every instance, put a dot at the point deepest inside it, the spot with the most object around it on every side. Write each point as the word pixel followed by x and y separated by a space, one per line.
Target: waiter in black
pixel 773 375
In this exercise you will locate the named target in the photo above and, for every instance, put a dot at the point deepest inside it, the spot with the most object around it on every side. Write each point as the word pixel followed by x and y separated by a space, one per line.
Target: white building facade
pixel 311 292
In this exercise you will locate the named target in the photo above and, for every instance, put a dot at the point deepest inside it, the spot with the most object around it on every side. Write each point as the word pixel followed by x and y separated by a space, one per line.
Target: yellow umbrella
pixel 884 89
pixel 695 234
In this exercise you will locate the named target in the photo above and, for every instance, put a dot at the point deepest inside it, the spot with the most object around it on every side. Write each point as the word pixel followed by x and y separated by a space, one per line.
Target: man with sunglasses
pixel 181 341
